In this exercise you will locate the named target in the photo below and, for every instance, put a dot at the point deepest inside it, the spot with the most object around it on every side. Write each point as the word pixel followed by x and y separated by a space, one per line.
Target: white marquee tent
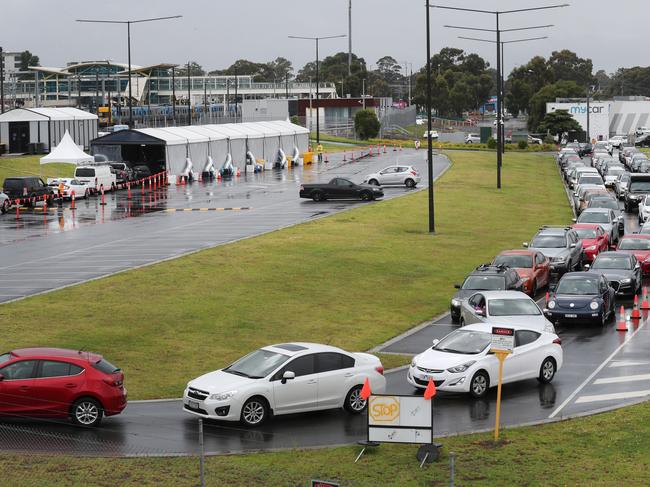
pixel 67 152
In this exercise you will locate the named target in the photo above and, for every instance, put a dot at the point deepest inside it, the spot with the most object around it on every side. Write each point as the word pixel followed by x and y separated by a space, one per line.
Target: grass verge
pixel 31 166
pixel 605 450
pixel 353 280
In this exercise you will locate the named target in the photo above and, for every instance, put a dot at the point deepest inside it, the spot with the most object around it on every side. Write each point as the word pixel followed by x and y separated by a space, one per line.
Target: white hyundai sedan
pixel 395 176
pixel 284 379
pixel 462 362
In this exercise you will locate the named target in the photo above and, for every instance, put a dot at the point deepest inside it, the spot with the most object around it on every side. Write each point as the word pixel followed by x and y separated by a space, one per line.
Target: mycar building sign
pixel 599 114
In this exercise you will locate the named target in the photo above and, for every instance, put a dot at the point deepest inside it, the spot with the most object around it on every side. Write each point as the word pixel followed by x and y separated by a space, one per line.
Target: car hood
pixel 614 274
pixel 553 252
pixel 219 381
pixel 435 359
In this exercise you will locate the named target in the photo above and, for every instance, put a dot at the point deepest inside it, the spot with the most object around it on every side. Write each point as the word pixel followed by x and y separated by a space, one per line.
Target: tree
pixel 195 70
pixel 566 65
pixel 335 69
pixel 559 122
pixel 560 89
pixel 278 70
pixel 389 70
pixel 366 124
pixel 27 59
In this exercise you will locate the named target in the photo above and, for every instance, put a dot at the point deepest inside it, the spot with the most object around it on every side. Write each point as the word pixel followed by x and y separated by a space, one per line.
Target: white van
pixel 96 177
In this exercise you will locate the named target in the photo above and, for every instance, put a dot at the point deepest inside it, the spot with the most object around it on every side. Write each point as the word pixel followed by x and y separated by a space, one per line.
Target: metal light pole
pixel 189 95
pixel 498 45
pixel 432 221
pixel 588 117
pixel 128 37
pixel 174 94
pixel 349 37
pixel 363 92
pixel 2 81
pixel 236 100
pixel 317 39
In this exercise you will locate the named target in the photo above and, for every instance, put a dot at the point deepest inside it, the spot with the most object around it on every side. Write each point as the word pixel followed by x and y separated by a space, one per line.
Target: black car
pixel 485 277
pixel 581 297
pixel 621 269
pixel 26 187
pixel 123 173
pixel 141 171
pixel 637 189
pixel 585 150
pixel 340 188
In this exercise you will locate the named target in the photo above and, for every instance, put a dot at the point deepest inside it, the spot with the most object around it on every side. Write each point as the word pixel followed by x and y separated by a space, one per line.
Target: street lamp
pixel 128 36
pixel 497 14
pixel 317 39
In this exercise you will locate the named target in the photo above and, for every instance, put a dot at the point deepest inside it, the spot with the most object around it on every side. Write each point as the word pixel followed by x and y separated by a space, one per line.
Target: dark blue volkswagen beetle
pixel 581 297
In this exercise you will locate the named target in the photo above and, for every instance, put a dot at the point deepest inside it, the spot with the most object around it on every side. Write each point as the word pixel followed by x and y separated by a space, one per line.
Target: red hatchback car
pixel 639 245
pixel 533 268
pixel 54 382
pixel 594 240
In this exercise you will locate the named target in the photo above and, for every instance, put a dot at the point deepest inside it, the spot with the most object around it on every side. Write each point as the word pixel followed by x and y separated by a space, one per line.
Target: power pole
pixel 349 37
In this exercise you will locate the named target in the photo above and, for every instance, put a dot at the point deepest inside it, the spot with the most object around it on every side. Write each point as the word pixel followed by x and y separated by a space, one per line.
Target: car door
pixel 56 386
pixel 542 271
pixel 387 175
pixel 603 287
pixel 471 306
pixel 300 393
pixel 525 360
pixel 16 393
pixel 334 371
pixel 332 189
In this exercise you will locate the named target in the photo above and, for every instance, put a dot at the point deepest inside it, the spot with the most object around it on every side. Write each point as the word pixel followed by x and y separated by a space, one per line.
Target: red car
pixel 532 266
pixel 54 382
pixel 639 245
pixel 594 240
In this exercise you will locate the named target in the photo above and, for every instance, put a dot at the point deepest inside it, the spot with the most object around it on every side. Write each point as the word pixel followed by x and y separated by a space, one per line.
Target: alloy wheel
pixel 253 412
pixel 357 403
pixel 86 413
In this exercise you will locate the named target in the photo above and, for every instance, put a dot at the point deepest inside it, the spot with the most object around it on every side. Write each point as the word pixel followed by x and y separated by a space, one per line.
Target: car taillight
pixel 380 369
pixel 414 173
pixel 558 341
pixel 113 382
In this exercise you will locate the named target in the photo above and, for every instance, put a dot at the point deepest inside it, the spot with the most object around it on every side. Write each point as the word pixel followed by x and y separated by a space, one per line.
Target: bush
pixel 522 144
pixel 549 140
pixel 366 124
pixel 491 143
pixel 295 120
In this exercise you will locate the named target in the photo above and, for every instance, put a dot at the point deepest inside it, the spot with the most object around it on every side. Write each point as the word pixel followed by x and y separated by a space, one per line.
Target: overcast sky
pixel 217 32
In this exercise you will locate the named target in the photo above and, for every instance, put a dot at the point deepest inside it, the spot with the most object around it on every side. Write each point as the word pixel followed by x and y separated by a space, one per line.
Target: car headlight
pixel 594 305
pixel 626 281
pixel 559 259
pixel 461 368
pixel 222 396
pixel 413 364
pixel 551 305
pixel 455 302
pixel 591 247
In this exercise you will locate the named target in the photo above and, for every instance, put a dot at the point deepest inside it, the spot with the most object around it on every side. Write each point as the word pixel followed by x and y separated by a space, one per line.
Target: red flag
pixel 430 391
pixel 365 390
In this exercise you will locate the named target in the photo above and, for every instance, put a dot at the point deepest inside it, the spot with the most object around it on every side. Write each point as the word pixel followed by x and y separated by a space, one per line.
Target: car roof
pixel 297 348
pixel 44 352
pixel 503 294
pixel 519 252
pixel 596 210
pixel 552 231
pixel 586 225
pixel 487 327
pixel 571 275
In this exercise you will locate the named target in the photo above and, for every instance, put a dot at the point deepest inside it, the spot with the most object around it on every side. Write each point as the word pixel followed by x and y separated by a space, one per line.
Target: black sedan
pixel 581 297
pixel 340 188
pixel 621 269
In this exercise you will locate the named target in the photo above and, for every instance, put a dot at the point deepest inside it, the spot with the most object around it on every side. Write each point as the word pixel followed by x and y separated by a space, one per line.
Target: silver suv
pixel 561 245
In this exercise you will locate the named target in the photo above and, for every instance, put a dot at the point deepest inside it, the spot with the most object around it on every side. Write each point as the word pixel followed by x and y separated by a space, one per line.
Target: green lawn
pixel 30 166
pixel 611 449
pixel 353 280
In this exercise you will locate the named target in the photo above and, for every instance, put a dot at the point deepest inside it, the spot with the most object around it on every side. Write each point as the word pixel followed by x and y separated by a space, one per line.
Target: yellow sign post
pixel 501 355
pixel 503 342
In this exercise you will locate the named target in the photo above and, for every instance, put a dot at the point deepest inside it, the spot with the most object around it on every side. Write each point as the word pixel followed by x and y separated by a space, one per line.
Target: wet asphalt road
pixel 48 250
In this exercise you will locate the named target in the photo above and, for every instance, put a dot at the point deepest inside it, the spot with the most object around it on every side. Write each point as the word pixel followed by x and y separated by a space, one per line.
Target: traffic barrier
pixel 635 311
pixel 72 195
pixel 546 298
pixel 218 176
pixel 400 147
pixel 352 157
pixel 370 151
pixel 344 158
pixel 384 148
pixel 644 304
pixel 238 172
pixel 621 325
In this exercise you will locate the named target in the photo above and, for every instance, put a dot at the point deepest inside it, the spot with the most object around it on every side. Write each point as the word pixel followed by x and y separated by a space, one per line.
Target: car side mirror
pixel 288 375
pixel 574 220
pixel 457 286
pixel 587 267
pixel 435 342
pixel 479 312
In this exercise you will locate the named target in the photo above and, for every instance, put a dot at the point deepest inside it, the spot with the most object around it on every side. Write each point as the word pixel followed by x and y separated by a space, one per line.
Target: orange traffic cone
pixel 365 390
pixel 219 176
pixel 238 172
pixel 430 391
pixel 644 304
pixel 621 325
pixel 635 311
pixel 546 298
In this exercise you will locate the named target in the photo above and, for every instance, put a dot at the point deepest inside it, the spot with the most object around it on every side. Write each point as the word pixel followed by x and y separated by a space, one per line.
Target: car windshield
pixel 590 180
pixel 516 260
pixel 634 244
pixel 586 232
pixel 257 364
pixel 549 242
pixel 467 342
pixel 602 203
pixel 593 217
pixel 615 171
pixel 485 283
pixel 580 285
pixel 640 186
pixel 612 262
pixel 512 307
pixel 5 357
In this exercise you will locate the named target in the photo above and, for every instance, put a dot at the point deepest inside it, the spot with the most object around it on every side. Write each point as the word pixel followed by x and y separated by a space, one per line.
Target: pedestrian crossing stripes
pixel 613 396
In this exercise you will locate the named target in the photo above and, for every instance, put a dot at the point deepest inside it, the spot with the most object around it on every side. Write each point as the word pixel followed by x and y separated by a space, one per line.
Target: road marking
pixel 623 378
pixel 593 374
pixel 624 363
pixel 611 397
pixel 174 210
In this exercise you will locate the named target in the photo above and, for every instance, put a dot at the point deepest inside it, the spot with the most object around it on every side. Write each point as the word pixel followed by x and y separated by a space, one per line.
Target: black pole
pixel 189 96
pixel 227 104
pixel 78 91
pixel 503 88
pixel 499 120
pixel 286 85
pixel 236 100
pixel 2 81
pixel 205 99
pixel 97 92
pixel 174 94
pixel 128 31
pixel 317 98
pixel 432 225
pixel 110 103
pixel 588 134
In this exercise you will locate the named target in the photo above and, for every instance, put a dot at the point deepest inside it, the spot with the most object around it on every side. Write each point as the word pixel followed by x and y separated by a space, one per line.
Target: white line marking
pixel 593 374
pixel 623 363
pixel 611 397
pixel 623 378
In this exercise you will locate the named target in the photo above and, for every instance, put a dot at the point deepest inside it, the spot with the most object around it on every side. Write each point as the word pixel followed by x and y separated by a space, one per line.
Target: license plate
pixel 193 404
pixel 570 316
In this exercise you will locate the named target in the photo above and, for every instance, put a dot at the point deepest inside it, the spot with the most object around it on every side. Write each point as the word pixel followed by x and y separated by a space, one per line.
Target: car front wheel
pixel 366 196
pixel 354 403
pixel 547 370
pixel 480 384
pixel 254 411
pixel 87 412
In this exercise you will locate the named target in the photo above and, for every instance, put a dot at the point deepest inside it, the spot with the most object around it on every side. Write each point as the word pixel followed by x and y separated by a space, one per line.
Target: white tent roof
pixel 44 114
pixel 68 152
pixel 167 134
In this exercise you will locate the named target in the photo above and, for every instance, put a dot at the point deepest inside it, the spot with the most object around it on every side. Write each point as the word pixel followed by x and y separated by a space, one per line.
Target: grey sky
pixel 217 32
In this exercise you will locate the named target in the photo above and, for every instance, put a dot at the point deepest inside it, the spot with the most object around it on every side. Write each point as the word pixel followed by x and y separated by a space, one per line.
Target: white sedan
pixel 504 308
pixel 462 362
pixel 395 176
pixel 80 189
pixel 284 379
pixel 644 210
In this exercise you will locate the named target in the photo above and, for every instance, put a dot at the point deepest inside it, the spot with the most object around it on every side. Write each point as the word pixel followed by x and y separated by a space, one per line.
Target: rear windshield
pixel 84 172
pixel 485 283
pixel 516 260
pixel 105 366
pixel 640 186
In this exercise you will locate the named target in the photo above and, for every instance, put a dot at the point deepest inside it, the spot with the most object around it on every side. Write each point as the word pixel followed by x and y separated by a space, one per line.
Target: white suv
pixel 473 139
pixel 395 175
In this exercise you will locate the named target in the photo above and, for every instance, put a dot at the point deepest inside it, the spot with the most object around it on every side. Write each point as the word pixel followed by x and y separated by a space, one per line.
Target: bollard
pixel 142 181
pixel 44 204
pixel 128 191
pixel 202 458
pixel 384 148
pixel 72 200
pixel 344 159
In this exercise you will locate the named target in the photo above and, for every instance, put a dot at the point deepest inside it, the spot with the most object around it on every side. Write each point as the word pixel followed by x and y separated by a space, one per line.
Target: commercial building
pixel 10 65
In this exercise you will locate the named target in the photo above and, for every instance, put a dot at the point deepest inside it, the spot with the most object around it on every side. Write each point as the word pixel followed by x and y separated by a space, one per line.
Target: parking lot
pixel 46 250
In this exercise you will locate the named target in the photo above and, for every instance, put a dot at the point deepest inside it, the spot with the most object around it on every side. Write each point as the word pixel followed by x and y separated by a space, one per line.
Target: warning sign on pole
pixel 503 342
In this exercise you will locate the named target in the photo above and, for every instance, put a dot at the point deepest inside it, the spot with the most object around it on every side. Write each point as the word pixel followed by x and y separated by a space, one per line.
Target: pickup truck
pixel 340 188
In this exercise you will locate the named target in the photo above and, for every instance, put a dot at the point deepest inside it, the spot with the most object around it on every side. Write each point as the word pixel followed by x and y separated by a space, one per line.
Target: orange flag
pixel 365 390
pixel 430 391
